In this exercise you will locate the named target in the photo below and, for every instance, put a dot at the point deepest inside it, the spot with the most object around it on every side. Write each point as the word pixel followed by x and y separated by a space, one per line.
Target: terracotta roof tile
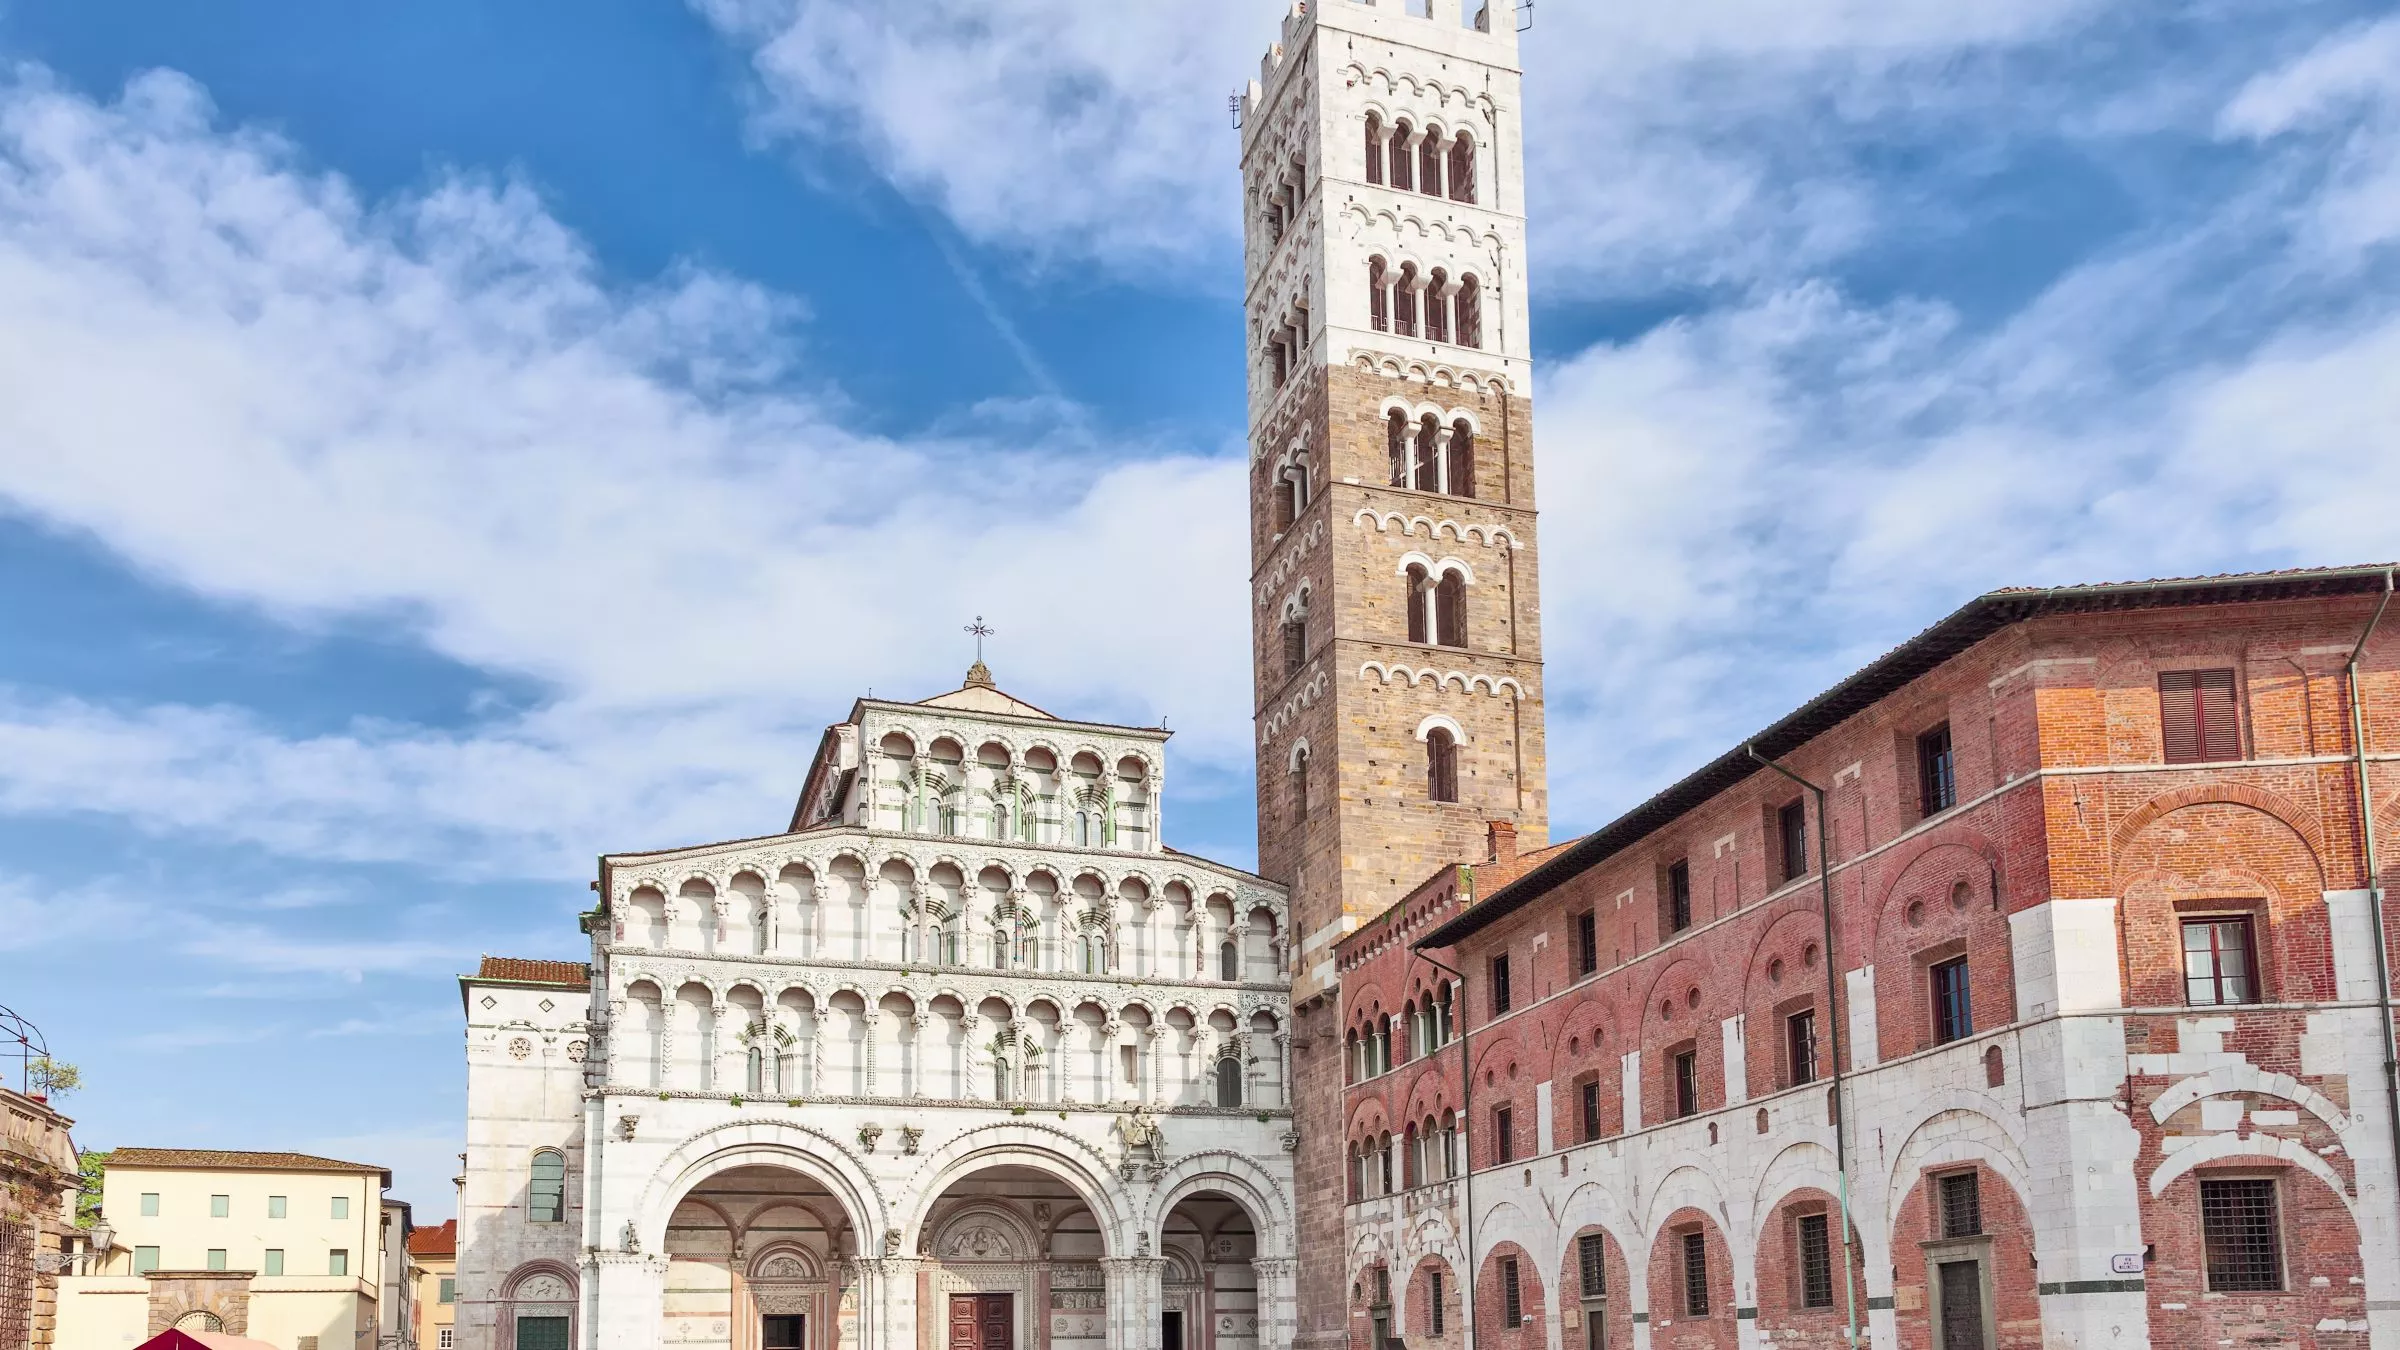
pixel 442 1241
pixel 573 974
pixel 235 1159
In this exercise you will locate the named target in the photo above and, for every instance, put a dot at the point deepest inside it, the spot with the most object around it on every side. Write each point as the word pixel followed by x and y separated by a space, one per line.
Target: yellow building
pixel 436 1254
pixel 283 1248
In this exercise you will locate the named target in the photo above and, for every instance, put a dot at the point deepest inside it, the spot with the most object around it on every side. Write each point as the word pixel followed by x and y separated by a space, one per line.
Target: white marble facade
pixel 966 1042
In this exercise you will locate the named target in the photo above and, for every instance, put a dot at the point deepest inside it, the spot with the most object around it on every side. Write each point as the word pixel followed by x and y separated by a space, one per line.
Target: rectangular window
pixel 220 1206
pixel 1687 1083
pixel 2195 716
pixel 1816 1262
pixel 2219 963
pixel 2243 1242
pixel 1791 838
pixel 1504 1134
pixel 1512 1302
pixel 1953 1015
pixel 1588 1102
pixel 337 1261
pixel 444 1341
pixel 1433 1296
pixel 276 1204
pixel 145 1260
pixel 1679 896
pixel 1962 1205
pixel 1500 993
pixel 449 1290
pixel 1587 943
pixel 1591 1265
pixel 1695 1274
pixel 149 1204
pixel 1937 772
pixel 274 1262
pixel 341 1207
pixel 1800 1046
pixel 216 1258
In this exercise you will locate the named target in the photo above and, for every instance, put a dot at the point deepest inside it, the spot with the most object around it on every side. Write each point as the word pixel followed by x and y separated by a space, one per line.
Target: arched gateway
pixel 961 1063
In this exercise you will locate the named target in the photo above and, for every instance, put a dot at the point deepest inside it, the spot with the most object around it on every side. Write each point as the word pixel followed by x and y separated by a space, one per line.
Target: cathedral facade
pixel 964 1058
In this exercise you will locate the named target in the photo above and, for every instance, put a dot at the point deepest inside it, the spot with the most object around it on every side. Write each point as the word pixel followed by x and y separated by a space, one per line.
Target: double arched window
pixel 546 1195
pixel 1441 765
pixel 1437 609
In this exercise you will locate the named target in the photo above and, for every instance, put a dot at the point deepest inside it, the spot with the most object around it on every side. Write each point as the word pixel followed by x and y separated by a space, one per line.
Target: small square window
pixel 2219 963
pixel 216 1258
pixel 274 1262
pixel 149 1204
pixel 341 1207
pixel 337 1261
pixel 145 1260
pixel 220 1206
pixel 276 1205
pixel 443 1342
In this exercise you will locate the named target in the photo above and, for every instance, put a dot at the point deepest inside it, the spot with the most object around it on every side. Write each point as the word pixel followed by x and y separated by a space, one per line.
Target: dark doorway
pixel 1170 1329
pixel 982 1321
pixel 1962 1305
pixel 784 1333
pixel 1595 1325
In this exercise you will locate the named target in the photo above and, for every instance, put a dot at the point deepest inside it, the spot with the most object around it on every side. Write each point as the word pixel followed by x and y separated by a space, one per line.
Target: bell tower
pixel 1395 598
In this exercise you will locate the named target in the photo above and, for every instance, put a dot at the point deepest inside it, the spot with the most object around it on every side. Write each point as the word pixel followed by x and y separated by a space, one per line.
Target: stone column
pixel 1134 1294
pixel 1283 1066
pixel 816 1049
pixel 1152 1036
pixel 1278 1302
pixel 873 1017
pixel 970 1026
pixel 632 1288
pixel 895 1286
pixel 1110 1032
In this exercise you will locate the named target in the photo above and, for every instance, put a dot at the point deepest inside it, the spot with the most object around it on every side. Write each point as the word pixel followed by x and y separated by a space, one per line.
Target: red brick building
pixel 2091 1039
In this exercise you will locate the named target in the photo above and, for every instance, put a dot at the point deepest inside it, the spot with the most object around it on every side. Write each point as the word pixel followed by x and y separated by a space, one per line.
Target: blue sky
pixel 443 442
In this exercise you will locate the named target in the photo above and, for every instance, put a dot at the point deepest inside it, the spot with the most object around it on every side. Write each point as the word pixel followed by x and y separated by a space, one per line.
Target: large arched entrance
pixel 1011 1262
pixel 1210 1296
pixel 757 1259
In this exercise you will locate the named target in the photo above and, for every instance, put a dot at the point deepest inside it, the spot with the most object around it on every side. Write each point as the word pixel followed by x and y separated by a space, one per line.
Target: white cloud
pixel 2349 84
pixel 231 371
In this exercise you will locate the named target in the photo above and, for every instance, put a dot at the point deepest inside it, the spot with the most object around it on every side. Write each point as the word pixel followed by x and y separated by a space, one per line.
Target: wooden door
pixel 983 1322
pixel 1962 1305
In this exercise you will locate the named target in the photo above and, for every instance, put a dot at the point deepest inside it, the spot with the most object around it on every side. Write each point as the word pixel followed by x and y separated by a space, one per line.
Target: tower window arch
pixel 1229 962
pixel 1462 169
pixel 1300 784
pixel 1429 454
pixel 1404 301
pixel 1458 467
pixel 1441 765
pixel 1403 157
pixel 546 1196
pixel 1450 611
pixel 1437 306
pixel 1374 148
pixel 1379 296
pixel 1470 312
pixel 1419 588
pixel 1395 433
pixel 1229 1079
pixel 1429 164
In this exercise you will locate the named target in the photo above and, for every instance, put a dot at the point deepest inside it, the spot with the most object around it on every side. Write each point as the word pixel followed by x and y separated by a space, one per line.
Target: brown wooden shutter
pixel 2179 715
pixel 2220 737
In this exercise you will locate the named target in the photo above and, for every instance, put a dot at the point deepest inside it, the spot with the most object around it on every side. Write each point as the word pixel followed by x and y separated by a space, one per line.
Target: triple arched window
pixel 1420 159
pixel 1430 304
pixel 1429 458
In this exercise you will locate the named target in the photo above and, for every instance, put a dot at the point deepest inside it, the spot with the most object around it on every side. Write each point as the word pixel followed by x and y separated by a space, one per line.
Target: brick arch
pixel 1427 1094
pixel 2325 1278
pixel 2227 849
pixel 1416 1310
pixel 1369 1116
pixel 1901 888
pixel 1491 1304
pixel 1616 1280
pixel 2299 820
pixel 1496 1056
pixel 1663 1279
pixel 1777 1267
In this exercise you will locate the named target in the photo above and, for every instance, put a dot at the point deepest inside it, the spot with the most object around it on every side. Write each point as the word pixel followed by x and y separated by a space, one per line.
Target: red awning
pixel 171 1339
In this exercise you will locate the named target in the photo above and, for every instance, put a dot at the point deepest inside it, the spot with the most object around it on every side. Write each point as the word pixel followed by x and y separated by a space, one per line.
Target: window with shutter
pixel 2196 716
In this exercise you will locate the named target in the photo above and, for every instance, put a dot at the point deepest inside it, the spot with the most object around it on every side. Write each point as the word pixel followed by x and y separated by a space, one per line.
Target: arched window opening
pixel 1403 157
pixel 1293 495
pixel 1441 765
pixel 1350 1055
pixel 1450 611
pixel 1437 306
pixel 1429 455
pixel 1395 435
pixel 1229 962
pixel 1379 297
pixel 1429 165
pixel 1295 644
pixel 1462 169
pixel 1300 787
pixel 1095 953
pixel 1459 469
pixel 1412 1170
pixel 1404 301
pixel 546 1197
pixel 1470 313
pixel 1286 511
pixel 1418 584
pixel 1374 148
pixel 1229 1080
pixel 755 1080
pixel 1449 1145
pixel 1383 1160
